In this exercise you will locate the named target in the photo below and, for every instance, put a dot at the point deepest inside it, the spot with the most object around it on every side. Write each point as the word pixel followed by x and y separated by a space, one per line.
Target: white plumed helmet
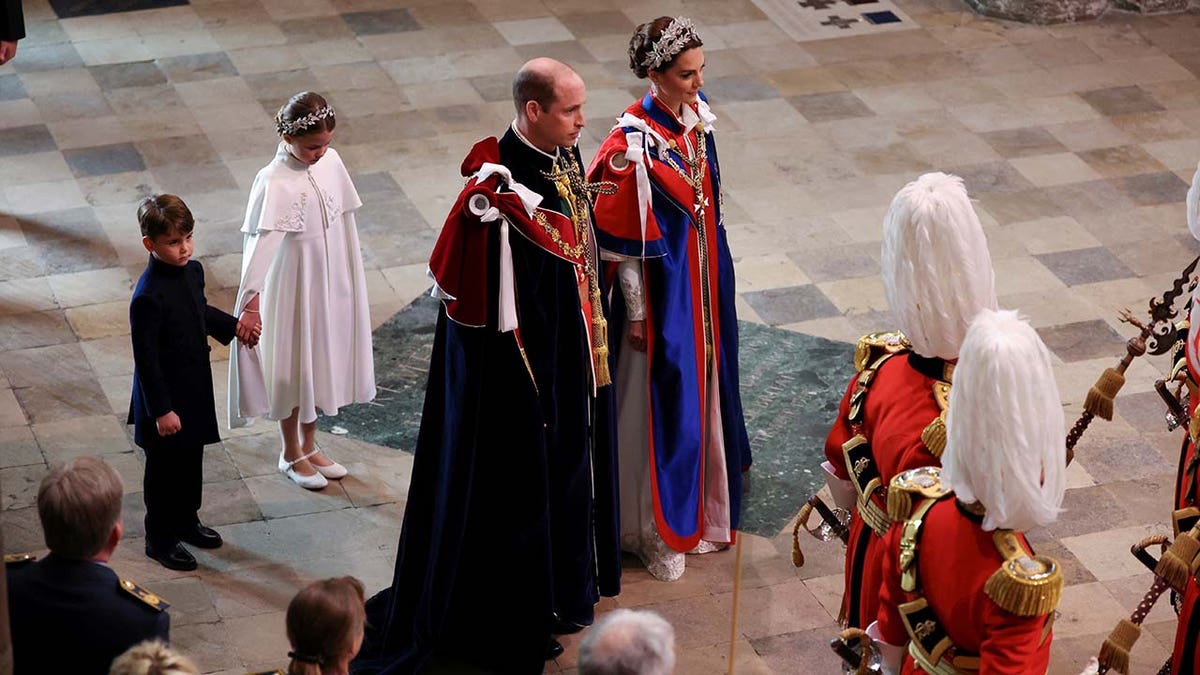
pixel 1005 441
pixel 937 271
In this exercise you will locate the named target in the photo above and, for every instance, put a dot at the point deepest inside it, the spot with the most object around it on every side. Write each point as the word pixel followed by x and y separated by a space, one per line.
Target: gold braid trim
pixel 873 345
pixel 1025 585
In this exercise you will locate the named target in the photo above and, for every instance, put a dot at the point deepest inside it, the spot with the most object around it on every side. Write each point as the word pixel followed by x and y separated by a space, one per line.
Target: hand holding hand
pixel 168 424
pixel 637 335
pixel 8 50
pixel 249 328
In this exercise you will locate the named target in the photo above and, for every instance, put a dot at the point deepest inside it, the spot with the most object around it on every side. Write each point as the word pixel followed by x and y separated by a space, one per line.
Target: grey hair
pixel 628 642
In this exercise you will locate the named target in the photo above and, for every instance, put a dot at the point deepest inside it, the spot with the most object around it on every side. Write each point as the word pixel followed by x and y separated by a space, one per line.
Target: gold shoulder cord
pixel 1026 584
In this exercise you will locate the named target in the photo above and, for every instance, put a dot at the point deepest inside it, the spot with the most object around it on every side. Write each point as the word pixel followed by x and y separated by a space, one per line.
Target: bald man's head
pixel 549 98
pixel 537 80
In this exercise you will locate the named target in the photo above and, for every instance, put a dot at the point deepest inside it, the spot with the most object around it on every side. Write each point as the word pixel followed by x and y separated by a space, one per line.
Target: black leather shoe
pixel 554 649
pixel 200 536
pixel 174 557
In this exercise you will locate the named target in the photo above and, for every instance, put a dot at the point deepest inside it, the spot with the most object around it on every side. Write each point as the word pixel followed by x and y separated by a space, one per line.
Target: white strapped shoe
pixel 314 482
pixel 333 472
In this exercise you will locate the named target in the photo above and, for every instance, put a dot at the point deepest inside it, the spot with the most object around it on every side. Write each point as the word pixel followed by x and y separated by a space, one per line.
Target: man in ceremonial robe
pixel 937 274
pixel 510 532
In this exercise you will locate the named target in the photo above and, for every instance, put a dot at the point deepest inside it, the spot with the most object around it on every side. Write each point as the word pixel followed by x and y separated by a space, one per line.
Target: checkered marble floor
pixel 1076 142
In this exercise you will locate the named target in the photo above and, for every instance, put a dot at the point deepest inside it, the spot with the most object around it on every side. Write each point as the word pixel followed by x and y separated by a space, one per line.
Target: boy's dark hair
pixel 160 215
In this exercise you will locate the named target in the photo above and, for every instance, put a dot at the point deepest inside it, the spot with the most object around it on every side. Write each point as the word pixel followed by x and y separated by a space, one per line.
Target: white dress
pixel 301 256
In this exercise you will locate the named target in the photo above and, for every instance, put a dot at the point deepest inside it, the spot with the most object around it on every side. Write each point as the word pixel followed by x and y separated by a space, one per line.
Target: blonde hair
pixel 152 658
pixel 1005 444
pixel 323 622
pixel 937 272
pixel 79 504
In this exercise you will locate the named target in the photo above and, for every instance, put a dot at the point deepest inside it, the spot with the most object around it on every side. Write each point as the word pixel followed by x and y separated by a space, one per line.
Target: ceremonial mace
pixel 1152 338
pixel 1114 652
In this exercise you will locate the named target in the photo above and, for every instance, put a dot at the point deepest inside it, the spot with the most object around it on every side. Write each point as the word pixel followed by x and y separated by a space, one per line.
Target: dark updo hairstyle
pixel 304 114
pixel 643 41
pixel 160 215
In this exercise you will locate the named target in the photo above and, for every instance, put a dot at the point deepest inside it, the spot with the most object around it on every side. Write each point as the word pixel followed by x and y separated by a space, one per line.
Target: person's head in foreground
pixel 152 658
pixel 79 505
pixel 325 623
pixel 628 642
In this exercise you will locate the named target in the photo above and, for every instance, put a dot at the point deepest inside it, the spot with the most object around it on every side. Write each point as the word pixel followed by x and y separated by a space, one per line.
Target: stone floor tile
pixel 791 304
pixel 100 160
pixel 18 447
pixel 25 140
pixel 136 74
pixel 279 497
pixel 191 67
pixel 23 532
pixel 78 436
pixel 825 107
pixel 190 601
pixel 1084 266
pixel 227 502
pixel 1121 101
pixel 1099 552
pixel 208 645
pixel 1056 169
pixel 1163 187
pixel 1124 160
pixel 1023 142
pixel 19 485
pixel 1082 340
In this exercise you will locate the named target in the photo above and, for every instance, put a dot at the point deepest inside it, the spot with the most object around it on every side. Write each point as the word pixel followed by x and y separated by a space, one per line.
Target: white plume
pixel 1005 445
pixel 937 271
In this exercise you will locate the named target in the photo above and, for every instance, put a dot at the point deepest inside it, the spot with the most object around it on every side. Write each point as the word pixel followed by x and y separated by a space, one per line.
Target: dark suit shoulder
pixel 147 598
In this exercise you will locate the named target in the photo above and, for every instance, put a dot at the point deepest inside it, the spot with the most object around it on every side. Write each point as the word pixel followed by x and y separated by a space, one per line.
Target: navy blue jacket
pixel 12 21
pixel 72 616
pixel 169 321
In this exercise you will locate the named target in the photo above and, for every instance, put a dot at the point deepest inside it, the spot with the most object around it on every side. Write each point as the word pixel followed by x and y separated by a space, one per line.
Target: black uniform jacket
pixel 169 320
pixel 72 616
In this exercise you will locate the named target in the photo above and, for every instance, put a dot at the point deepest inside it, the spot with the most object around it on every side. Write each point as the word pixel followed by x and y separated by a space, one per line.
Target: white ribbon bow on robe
pixel 488 212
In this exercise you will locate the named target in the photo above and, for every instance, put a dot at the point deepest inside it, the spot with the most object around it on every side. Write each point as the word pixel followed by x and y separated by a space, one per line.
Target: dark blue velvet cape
pixel 510 532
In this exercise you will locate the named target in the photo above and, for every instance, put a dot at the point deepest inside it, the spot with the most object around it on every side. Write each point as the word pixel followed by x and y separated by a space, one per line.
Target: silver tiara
pixel 296 127
pixel 678 33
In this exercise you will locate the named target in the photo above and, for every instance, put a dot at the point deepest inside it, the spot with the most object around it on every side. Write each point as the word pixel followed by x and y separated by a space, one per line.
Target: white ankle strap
pixel 293 462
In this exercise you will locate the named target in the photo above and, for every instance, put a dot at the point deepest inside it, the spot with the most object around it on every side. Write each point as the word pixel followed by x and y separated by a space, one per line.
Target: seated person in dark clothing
pixel 70 613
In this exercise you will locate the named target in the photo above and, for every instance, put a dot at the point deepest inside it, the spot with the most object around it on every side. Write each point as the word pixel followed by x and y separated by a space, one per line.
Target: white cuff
pixel 630 274
pixel 891 656
pixel 840 489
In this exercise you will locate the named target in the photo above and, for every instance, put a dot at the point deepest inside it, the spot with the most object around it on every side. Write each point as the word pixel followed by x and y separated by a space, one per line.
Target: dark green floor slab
pixel 791 384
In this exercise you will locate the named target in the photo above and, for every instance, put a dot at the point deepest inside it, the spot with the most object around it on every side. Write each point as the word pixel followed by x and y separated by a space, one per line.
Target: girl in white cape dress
pixel 303 282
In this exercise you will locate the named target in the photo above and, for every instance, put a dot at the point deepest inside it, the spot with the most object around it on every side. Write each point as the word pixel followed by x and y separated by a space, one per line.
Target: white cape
pixel 301 256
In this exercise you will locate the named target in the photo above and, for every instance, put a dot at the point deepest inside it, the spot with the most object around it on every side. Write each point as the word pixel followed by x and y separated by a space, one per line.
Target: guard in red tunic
pixel 962 590
pixel 1186 657
pixel 938 275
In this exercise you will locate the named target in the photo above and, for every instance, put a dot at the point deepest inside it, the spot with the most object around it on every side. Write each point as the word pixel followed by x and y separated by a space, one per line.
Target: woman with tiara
pixel 681 436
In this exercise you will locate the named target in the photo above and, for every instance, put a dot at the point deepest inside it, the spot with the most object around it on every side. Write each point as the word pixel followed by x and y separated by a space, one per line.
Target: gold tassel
pixel 801 518
pixel 934 436
pixel 600 341
pixel 1176 564
pixel 899 504
pixel 1100 397
pixel 1114 652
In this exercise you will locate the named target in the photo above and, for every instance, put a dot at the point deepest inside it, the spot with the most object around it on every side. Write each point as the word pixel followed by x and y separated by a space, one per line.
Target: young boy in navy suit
pixel 172 406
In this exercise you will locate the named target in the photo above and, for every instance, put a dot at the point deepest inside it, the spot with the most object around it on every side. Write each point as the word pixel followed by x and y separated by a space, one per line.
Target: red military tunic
pixel 955 560
pixel 900 404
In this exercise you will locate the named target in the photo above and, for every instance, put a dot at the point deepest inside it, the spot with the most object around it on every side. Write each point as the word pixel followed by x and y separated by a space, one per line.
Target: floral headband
pixel 678 33
pixel 298 127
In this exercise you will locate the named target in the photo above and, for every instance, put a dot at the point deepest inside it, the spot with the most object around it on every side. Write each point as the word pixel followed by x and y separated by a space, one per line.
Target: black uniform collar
pixel 932 367
pixel 165 269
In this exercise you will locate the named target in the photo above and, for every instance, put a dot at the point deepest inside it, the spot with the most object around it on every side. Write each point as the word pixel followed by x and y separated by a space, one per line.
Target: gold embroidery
pixel 860 466
pixel 568 250
pixel 924 629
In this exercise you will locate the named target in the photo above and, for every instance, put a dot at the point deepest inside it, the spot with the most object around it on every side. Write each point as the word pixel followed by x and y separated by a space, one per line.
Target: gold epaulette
pixel 934 434
pixel 1026 584
pixel 15 560
pixel 923 483
pixel 874 345
pixel 144 595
